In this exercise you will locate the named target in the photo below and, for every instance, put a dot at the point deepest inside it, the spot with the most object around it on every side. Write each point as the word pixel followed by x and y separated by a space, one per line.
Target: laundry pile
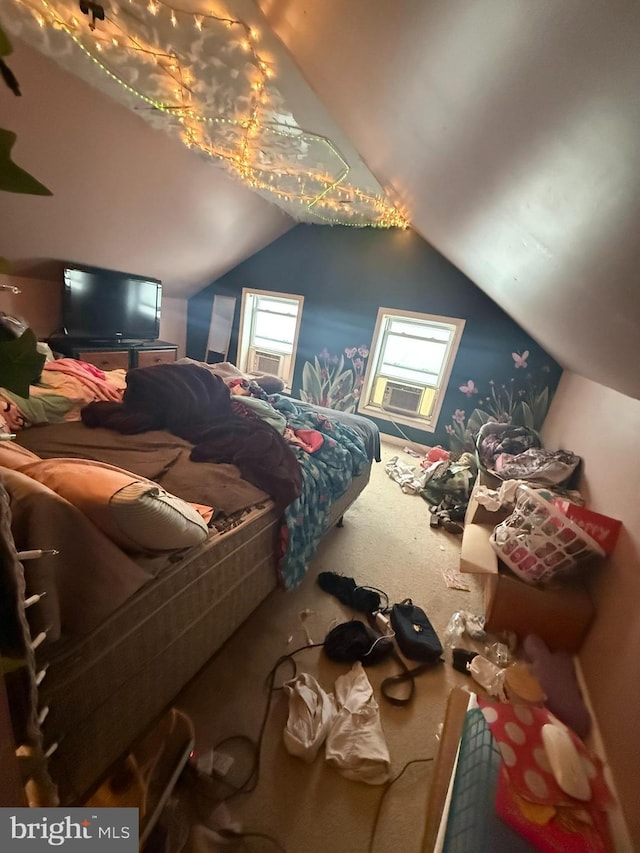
pixel 444 483
pixel 516 453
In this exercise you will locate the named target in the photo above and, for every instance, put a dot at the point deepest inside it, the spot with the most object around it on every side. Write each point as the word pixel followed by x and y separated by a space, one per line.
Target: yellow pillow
pixel 136 514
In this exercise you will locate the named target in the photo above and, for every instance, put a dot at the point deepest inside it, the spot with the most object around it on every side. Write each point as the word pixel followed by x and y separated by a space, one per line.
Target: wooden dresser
pixel 118 356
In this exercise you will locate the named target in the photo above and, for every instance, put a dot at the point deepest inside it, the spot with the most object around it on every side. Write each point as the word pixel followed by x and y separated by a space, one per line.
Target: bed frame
pixel 104 691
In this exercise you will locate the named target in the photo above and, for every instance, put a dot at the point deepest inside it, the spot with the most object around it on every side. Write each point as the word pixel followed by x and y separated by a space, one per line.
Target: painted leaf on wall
pixel 13 179
pixel 311 384
pixel 20 363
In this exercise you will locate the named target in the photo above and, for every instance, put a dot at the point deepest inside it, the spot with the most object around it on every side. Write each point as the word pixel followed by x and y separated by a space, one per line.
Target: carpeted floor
pixel 386 542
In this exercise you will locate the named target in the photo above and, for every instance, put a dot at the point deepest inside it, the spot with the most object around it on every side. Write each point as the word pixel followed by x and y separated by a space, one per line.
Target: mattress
pixel 103 691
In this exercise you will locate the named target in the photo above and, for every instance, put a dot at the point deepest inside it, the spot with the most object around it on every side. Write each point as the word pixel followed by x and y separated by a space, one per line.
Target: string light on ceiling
pixel 203 76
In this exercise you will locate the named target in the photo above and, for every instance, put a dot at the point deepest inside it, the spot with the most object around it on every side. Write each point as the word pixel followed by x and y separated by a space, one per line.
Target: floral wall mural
pixel 335 381
pixel 345 276
pixel 522 399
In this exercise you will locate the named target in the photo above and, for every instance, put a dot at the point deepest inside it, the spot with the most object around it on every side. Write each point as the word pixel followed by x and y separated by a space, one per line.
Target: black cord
pixel 250 783
pixel 386 790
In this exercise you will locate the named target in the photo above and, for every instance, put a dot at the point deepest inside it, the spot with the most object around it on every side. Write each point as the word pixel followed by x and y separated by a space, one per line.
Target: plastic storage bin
pixel 538 542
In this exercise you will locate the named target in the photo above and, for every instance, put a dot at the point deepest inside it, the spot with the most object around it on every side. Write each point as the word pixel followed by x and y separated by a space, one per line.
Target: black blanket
pixel 192 403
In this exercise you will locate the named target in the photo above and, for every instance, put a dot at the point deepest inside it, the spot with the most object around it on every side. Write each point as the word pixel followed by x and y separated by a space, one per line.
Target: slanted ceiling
pixel 508 132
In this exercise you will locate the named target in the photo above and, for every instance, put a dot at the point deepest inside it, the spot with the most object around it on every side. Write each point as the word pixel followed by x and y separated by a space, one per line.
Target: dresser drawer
pixel 149 357
pixel 105 359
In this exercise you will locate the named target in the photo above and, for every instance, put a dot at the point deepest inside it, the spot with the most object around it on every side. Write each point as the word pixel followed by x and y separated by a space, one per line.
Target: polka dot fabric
pixel 517 730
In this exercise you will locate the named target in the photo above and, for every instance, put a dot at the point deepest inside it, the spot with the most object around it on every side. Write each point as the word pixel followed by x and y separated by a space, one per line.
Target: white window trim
pixel 426 424
pixel 244 344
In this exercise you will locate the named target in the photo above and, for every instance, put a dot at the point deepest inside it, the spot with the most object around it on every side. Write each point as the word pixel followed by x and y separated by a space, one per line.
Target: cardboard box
pixel 477 513
pixel 559 614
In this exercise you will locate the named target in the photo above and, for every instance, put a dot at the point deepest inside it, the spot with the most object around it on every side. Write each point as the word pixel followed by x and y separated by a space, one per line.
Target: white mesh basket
pixel 538 541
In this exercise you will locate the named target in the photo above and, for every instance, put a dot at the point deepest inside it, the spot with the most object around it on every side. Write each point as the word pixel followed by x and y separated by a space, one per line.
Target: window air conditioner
pixel 405 399
pixel 266 362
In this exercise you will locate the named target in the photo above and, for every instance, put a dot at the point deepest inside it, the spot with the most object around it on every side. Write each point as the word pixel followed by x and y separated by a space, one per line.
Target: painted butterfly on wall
pixel 520 360
pixel 469 389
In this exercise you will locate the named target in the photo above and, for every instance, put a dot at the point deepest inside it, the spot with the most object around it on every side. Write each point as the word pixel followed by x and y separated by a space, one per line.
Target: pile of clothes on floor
pixel 516 453
pixel 444 483
pixel 508 452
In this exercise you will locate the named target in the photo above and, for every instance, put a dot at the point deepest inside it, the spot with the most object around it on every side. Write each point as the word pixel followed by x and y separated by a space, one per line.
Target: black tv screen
pixel 106 305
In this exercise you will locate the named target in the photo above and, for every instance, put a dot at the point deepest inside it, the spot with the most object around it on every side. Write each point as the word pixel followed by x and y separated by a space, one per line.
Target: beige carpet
pixel 386 542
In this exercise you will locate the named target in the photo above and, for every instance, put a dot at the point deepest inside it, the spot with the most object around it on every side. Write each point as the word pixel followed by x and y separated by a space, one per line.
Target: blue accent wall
pixel 346 274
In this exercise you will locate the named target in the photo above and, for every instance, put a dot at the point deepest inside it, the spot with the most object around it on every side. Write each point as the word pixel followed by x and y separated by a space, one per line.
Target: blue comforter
pixel 326 475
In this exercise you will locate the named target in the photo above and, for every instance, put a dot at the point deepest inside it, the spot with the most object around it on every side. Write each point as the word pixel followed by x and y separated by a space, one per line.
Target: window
pixel 269 326
pixel 411 359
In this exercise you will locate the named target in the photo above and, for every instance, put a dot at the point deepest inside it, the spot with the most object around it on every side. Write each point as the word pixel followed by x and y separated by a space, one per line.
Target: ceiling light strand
pixel 247 147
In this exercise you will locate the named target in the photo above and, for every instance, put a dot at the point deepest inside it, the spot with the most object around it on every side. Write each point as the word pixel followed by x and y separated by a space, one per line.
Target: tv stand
pixel 116 355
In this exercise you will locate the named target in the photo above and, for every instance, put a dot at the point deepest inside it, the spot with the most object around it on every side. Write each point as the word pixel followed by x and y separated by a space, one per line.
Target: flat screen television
pixel 105 305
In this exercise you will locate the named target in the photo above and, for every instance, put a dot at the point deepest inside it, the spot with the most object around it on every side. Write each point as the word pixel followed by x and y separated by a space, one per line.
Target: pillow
pixel 14 456
pixel 135 513
pixel 269 384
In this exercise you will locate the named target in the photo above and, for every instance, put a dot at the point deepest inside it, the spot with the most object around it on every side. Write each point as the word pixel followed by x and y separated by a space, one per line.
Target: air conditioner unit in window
pixel 266 362
pixel 405 399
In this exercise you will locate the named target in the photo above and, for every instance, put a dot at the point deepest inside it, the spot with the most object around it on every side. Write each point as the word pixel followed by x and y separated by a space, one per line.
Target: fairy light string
pixel 244 146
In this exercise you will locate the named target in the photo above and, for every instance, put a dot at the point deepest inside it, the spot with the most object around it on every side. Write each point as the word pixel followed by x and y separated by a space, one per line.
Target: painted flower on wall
pixel 335 381
pixel 522 400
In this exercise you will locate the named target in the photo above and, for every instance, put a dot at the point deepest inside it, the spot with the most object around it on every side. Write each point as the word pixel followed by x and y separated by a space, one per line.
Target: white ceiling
pixel 509 130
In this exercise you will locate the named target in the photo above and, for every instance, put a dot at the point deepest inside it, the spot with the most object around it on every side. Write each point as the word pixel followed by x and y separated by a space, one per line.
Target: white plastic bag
pixel 489 676
pixel 311 713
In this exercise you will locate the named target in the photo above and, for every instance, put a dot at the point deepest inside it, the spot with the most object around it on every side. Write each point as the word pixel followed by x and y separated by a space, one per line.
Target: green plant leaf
pixel 342 384
pixel 311 383
pixel 526 416
pixel 13 179
pixel 5 44
pixel 347 404
pixel 540 408
pixel 477 418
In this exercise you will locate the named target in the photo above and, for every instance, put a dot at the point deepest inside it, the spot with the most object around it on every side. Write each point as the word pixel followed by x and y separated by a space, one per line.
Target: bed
pixel 101 674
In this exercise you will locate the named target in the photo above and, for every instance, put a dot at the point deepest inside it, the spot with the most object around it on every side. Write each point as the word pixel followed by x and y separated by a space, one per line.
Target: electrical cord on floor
pixel 409 441
pixel 251 782
pixel 386 790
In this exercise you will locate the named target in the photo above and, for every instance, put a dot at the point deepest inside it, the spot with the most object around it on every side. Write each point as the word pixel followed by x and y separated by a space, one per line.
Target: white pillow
pixel 156 520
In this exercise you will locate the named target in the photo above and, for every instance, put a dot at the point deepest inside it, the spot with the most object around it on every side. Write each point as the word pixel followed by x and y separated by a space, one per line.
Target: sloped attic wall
pixel 125 196
pixel 510 131
pixel 602 426
pixel 346 274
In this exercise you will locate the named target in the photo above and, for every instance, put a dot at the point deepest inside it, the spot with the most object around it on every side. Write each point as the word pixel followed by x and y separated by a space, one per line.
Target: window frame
pixel 247 325
pixel 373 371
